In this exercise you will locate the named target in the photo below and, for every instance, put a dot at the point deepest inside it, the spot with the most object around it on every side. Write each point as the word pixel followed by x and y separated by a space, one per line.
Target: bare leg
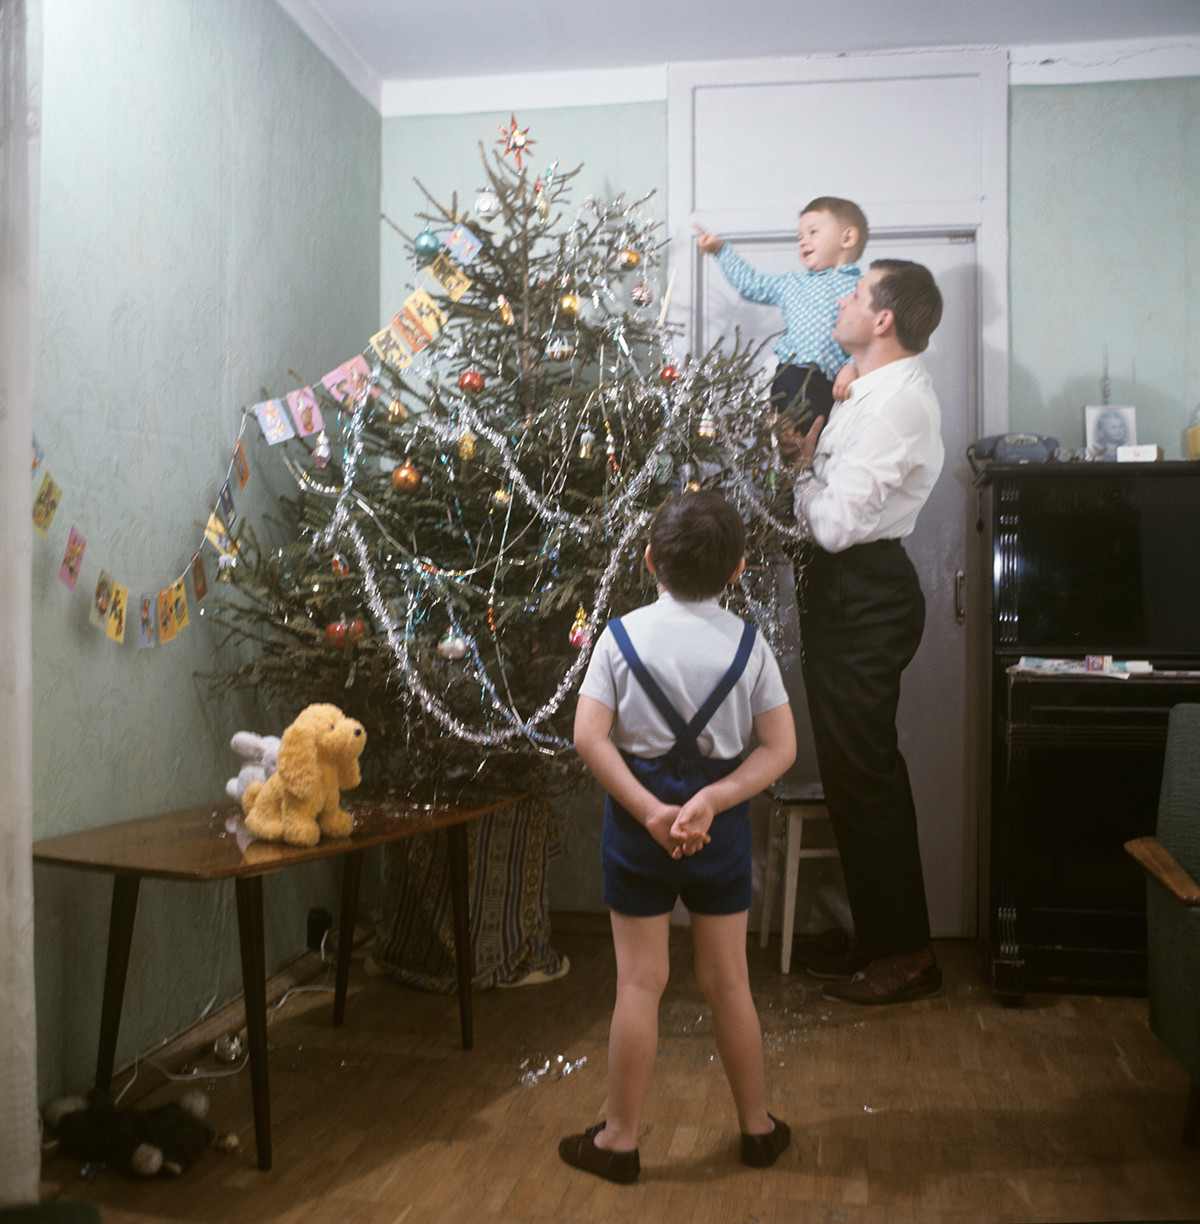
pixel 724 979
pixel 643 964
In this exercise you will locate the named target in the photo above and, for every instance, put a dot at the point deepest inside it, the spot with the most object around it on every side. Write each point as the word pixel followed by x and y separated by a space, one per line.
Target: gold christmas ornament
pixel 397 411
pixel 406 478
pixel 466 445
pixel 569 304
pixel 628 258
pixel 581 631
pixel 506 312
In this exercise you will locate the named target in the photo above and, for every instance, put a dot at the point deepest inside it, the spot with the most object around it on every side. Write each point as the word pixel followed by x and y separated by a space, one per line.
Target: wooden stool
pixel 793 805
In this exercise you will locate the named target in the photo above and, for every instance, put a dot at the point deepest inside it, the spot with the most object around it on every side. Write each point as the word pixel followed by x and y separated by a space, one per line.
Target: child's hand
pixel 660 826
pixel 845 376
pixel 708 243
pixel 693 822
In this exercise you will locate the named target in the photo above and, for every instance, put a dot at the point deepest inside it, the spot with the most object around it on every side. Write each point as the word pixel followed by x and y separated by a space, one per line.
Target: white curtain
pixel 19 111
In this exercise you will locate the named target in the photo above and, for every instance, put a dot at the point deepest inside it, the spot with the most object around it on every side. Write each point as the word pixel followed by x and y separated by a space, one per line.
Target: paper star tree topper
pixel 515 140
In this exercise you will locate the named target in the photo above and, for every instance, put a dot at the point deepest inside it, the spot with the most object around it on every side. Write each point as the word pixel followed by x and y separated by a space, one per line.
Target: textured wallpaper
pixel 1104 250
pixel 209 224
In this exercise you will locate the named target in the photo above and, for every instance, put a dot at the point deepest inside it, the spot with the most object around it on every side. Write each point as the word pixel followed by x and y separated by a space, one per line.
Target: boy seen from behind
pixel 674 694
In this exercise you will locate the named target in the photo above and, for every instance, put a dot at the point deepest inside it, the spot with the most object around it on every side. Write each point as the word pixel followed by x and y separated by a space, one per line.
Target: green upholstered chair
pixel 1172 863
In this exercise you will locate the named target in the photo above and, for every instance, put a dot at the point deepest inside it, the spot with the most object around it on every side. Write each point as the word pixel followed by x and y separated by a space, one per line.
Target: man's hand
pixel 797 448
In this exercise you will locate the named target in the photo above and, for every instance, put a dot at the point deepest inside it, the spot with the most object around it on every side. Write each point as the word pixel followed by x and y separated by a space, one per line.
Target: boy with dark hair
pixel 813 369
pixel 662 721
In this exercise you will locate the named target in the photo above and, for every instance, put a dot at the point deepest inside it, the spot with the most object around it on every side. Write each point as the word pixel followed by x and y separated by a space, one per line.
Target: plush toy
pixel 318 759
pixel 144 1142
pixel 262 753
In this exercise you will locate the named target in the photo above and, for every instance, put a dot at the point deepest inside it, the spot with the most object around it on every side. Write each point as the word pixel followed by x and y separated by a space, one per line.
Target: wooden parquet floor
pixel 952 1109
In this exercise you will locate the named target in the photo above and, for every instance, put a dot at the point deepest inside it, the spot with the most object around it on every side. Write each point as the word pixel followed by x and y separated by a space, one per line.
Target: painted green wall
pixel 209 222
pixel 1104 250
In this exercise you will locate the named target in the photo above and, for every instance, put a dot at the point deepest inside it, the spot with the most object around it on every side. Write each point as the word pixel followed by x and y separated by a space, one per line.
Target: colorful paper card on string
pixel 273 420
pixel 228 509
pixel 387 344
pixel 410 331
pixel 450 276
pixel 302 404
pixel 347 381
pixel 146 605
pixel 101 602
pixel 180 603
pixel 463 244
pixel 166 616
pixel 72 560
pixel 199 578
pixel 430 317
pixel 45 505
pixel 116 614
pixel 241 468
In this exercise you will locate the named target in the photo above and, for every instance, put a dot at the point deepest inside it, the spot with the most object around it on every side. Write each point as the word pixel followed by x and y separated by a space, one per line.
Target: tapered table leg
pixel 457 848
pixel 116 966
pixel 254 986
pixel 351 875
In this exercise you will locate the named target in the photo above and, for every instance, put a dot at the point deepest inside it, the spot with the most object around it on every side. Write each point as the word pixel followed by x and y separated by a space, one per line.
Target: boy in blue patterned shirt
pixel 813 369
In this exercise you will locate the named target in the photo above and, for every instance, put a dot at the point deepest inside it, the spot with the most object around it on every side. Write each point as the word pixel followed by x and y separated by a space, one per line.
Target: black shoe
pixel 760 1151
pixel 890 979
pixel 581 1152
pixel 838 965
pixel 809 948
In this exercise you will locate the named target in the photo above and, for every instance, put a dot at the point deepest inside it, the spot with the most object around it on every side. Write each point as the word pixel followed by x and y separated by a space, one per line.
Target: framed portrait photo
pixel 1110 426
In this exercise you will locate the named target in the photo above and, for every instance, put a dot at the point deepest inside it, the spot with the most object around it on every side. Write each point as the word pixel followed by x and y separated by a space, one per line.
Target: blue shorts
pixel 642 880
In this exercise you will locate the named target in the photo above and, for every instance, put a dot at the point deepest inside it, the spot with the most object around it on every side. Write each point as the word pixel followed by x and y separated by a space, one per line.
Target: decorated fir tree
pixel 476 508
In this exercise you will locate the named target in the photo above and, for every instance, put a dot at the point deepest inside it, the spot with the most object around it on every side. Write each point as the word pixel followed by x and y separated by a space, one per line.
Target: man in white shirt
pixel 861 483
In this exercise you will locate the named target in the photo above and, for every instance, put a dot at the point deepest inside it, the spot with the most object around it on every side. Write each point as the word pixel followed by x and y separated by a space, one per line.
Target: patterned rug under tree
pixel 507 853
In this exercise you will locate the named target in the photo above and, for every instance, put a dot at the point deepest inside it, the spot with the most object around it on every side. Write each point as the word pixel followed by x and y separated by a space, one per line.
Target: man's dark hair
pixel 696 542
pixel 846 213
pixel 909 291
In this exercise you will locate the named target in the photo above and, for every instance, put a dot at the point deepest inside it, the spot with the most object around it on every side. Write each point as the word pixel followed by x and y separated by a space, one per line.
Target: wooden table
pixel 196 844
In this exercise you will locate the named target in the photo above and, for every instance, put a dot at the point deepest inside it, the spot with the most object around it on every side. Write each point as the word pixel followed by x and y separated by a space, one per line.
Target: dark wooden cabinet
pixel 1087 559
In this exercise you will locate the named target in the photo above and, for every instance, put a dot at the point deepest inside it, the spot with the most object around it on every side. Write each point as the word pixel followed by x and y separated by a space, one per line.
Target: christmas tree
pixel 482 509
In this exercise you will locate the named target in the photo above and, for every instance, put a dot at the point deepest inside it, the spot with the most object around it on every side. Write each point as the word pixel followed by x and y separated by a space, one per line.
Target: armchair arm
pixel 1159 863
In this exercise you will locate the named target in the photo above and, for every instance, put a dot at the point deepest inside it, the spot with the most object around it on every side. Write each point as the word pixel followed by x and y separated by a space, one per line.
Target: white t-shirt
pixel 877 459
pixel 687 646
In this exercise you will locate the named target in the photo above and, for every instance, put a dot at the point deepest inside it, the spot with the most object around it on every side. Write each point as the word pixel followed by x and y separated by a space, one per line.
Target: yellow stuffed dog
pixel 318 759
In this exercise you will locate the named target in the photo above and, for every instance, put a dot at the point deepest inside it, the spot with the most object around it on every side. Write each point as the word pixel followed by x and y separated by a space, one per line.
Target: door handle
pixel 960 606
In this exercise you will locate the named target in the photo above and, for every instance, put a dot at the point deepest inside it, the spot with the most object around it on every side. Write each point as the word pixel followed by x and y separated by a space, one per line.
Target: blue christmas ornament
pixel 427 244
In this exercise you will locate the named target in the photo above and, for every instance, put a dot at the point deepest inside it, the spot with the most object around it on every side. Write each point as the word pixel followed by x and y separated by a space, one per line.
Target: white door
pixel 933 706
pixel 920 141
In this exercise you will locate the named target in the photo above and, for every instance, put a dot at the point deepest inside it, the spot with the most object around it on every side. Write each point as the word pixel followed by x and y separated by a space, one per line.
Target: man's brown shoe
pixel 890 979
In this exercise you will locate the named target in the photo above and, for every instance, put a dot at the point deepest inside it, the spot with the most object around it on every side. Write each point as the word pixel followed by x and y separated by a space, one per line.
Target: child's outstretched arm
pixel 768 760
pixel 593 724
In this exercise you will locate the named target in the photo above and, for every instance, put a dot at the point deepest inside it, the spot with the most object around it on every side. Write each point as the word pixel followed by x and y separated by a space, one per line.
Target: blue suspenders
pixel 685 733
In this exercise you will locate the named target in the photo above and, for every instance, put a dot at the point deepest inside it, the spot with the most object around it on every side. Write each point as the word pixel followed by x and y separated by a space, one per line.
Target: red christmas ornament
pixel 354 631
pixel 335 633
pixel 471 381
pixel 669 374
pixel 339 566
